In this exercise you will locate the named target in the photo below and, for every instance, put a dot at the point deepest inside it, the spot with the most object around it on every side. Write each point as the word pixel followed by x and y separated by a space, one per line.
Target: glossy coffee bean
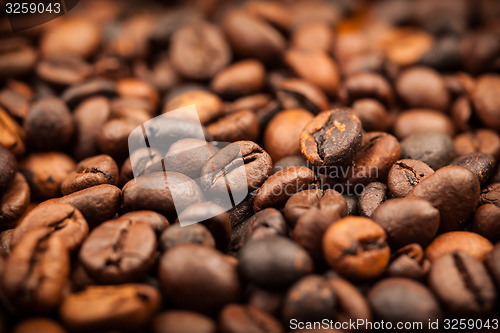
pixel 241 125
pixel 366 85
pixel 190 234
pixel 422 120
pixel 486 101
pixel 291 122
pixel 199 50
pixel 326 200
pixel 480 141
pixel 283 184
pixel 301 94
pixel 118 251
pixel 486 222
pixel 182 321
pixel 310 299
pixel 288 263
pixel 41 325
pixel 94 309
pixel 454 191
pixel 36 271
pixel 471 243
pixel 373 195
pixel 63 70
pixel 8 168
pixel 372 114
pixel 482 165
pixel 14 201
pixel 399 299
pixel 407 221
pixel 406 174
pixel 198 278
pixel 433 148
pixel 12 136
pixel 241 78
pixel 356 247
pixel 61 220
pixel 45 172
pixel 462 284
pixel 236 318
pixel 331 138
pixel 97 170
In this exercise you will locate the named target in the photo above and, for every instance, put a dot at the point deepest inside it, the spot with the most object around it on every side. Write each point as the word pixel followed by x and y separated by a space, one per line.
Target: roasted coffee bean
pixel 407 221
pixel 135 89
pixel 461 113
pixel 372 114
pixel 97 170
pixel 212 216
pixel 463 285
pixel 243 210
pixel 403 300
pixel 486 100
pixel 97 203
pixel 406 174
pixel 154 192
pixel 5 238
pixel 422 87
pixel 16 98
pixel 198 278
pixel 266 300
pixel 486 222
pixel 352 204
pixel 17 56
pixel 454 191
pixel 76 94
pixel 45 172
pixel 473 244
pixel 242 165
pixel 252 37
pixel 480 141
pixel 12 136
pixel 492 262
pixel 61 220
pixel 314 36
pixel 8 168
pixel 251 102
pixel 208 105
pixel 14 201
pixel 114 137
pixel 490 195
pixel 36 271
pixel 433 148
pixel 41 325
pixel 182 321
pixel 329 201
pixel 95 309
pixel 241 125
pixel 187 156
pixel 236 318
pixel 356 247
pixel 332 138
pixel 408 262
pixel 422 120
pixel 310 299
pixel 366 85
pixel 291 122
pixel 63 69
pixel 482 165
pixel 288 263
pixel 242 78
pixel 277 14
pixel 283 184
pixel 266 223
pixel 288 162
pixel 300 94
pixel 156 221
pixel 188 234
pixel 119 251
pixel 373 195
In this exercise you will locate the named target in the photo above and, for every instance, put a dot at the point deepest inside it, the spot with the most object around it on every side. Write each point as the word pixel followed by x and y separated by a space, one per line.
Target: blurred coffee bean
pixel 486 100
pixel 156 221
pixel 189 234
pixel 76 94
pixel 208 105
pixel 405 174
pixel 16 98
pixel 486 222
pixel 372 114
pixel 433 148
pixel 241 78
pixel 236 318
pixel 14 201
pixel 113 139
pixel 241 125
pixel 12 136
pixel 473 244
pixel 17 56
pixel 422 120
pixel 366 85
pixel 289 161
pixel 183 321
pixel 40 324
pixel 8 168
pixel 493 264
pixel 314 36
pixel 480 141
pixel 63 69
pixel 300 94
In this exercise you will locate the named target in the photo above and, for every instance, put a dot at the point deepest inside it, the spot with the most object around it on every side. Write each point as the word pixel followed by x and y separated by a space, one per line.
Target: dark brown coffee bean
pixel 422 87
pixel 41 325
pixel 241 78
pixel 5 238
pixel 366 85
pixel 462 284
pixel 471 243
pixel 154 192
pixel 241 125
pixel 208 105
pixel 182 321
pixel 372 114
pixel 82 91
pixel 482 165
pixel 433 148
pixel 16 98
pixel 14 201
pixel 332 138
pixel 356 247
pixel 288 263
pixel 454 191
pixel 114 137
pixel 17 56
pixel 36 271
pixel 266 300
pixel 352 204
pixel 63 69
pixel 252 37
pixel 95 309
pixel 310 299
pixel 119 251
pixel 486 222
pixel 480 141
pixel 187 156
pixel 300 94
pixel 405 174
pixel 156 221
pixel 288 162
pixel 461 113
pixel 326 200
pixel 8 168
pixel 403 300
pixel 490 195
pixel 189 234
pixel 236 318
pixel 407 221
pixel 408 262
pixel 61 220
pixel 314 36
pixel 422 120
pixel 486 100
pixel 198 278
pixel 12 136
pixel 283 184
pixel 373 195
pixel 493 264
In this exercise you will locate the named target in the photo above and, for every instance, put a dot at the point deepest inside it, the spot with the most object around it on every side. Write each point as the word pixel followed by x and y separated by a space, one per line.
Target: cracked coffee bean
pixel 405 174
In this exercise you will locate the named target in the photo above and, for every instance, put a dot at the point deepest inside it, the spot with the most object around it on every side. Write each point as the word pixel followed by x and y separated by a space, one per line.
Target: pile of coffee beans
pixel 368 134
